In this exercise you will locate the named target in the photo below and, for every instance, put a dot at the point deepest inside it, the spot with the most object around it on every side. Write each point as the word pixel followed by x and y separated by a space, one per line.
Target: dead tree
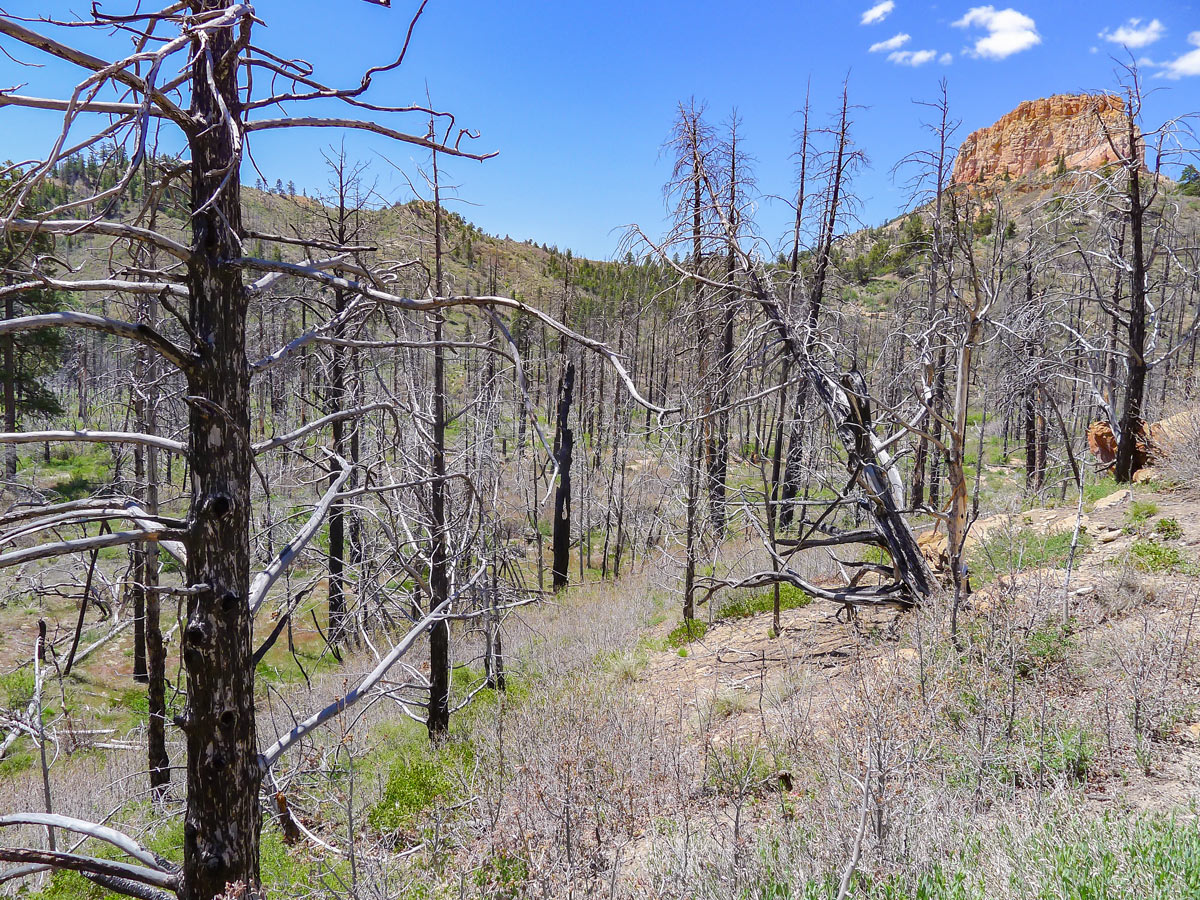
pixel 840 165
pixel 874 481
pixel 564 446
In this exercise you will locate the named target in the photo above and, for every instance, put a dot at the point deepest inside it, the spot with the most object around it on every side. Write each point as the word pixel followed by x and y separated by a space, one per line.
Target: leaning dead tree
pixel 197 74
pixel 789 306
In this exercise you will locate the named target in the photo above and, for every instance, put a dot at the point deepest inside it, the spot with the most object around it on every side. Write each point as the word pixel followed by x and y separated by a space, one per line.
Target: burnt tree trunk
pixel 438 716
pixel 564 445
pixel 1136 368
pixel 10 386
pixel 223 818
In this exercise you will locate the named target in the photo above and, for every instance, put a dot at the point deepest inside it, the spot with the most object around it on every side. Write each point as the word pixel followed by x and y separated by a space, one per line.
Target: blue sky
pixel 578 98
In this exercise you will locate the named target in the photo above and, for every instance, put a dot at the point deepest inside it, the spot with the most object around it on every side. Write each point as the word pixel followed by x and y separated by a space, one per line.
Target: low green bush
pixel 1168 529
pixel 687 631
pixel 418 778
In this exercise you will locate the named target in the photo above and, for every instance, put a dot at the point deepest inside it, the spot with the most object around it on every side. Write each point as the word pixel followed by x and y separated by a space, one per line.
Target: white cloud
pixel 878 12
pixel 1188 64
pixel 1008 31
pixel 912 57
pixel 1134 34
pixel 892 43
pixel 945 59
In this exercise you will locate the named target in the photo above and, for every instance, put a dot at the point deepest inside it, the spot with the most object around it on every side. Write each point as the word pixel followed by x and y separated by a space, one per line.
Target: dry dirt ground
pixel 740 666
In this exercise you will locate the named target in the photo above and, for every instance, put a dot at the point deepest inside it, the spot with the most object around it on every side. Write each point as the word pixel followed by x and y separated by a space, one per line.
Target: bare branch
pixel 142 334
pixel 94 437
pixel 316 425
pixel 90 865
pixel 116 539
pixel 99 226
pixel 291 550
pixel 91 829
pixel 362 125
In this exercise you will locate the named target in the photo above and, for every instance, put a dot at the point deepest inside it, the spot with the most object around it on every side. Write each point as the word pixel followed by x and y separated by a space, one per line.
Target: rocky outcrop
pixel 1039 133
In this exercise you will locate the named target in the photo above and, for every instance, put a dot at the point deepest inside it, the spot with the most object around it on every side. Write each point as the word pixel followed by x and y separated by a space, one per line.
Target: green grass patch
pixel 1006 552
pixel 1149 555
pixel 280 666
pixel 790 597
pixel 1098 490
pixel 19 759
pixel 1140 512
pixel 75 475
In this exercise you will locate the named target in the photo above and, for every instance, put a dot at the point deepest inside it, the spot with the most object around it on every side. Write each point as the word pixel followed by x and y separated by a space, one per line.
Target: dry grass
pixel 598 776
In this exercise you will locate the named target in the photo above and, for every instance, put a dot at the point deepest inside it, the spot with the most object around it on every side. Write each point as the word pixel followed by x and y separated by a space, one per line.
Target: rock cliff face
pixel 1037 133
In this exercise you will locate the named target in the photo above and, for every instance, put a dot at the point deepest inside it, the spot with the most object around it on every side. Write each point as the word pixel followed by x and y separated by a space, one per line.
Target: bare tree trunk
pixel 223 818
pixel 137 553
pixel 1136 368
pixel 438 717
pixel 10 390
pixel 564 443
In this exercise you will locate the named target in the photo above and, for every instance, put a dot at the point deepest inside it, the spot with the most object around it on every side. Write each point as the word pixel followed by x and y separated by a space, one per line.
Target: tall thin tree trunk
pixel 1136 368
pixel 438 718
pixel 10 382
pixel 223 818
pixel 564 443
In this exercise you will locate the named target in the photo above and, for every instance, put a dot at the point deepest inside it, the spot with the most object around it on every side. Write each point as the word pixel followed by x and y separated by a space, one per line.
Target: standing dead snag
pixel 564 446
pixel 875 485
pixel 212 45
pixel 223 818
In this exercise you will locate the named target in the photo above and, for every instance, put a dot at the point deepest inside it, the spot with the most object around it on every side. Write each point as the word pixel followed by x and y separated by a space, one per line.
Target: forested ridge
pixel 351 550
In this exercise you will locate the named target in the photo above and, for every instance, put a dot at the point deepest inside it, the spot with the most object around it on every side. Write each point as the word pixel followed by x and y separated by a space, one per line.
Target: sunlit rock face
pixel 1039 132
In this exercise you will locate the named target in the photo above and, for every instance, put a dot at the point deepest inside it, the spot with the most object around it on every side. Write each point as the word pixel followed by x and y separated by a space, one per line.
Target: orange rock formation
pixel 1038 132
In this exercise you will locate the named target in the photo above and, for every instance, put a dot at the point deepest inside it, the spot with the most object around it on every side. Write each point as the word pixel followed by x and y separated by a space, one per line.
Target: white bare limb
pixel 80 545
pixel 142 334
pixel 291 550
pixel 101 832
pixel 316 425
pixel 98 226
pixel 362 125
pixel 91 865
pixel 114 285
pixel 94 437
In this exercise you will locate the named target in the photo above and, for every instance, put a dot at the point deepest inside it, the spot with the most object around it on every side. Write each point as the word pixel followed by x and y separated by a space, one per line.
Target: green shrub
pixel 417 779
pixel 687 631
pixel 1168 529
pixel 503 875
pixel 1068 751
pixel 1044 648
pixel 16 689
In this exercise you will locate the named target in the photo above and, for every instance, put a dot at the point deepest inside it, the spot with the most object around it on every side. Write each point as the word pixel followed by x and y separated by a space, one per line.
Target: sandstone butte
pixel 1038 132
